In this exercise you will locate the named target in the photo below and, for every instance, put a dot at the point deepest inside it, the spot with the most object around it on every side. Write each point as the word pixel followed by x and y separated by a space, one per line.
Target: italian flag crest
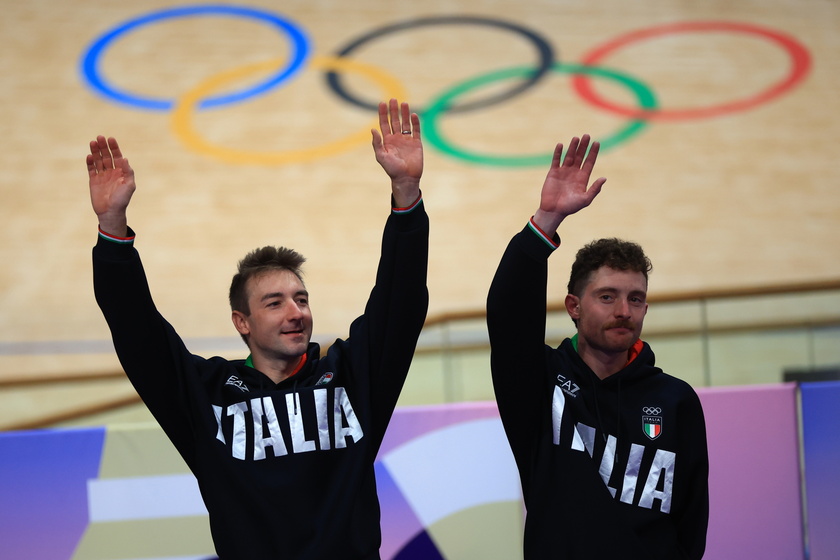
pixel 652 426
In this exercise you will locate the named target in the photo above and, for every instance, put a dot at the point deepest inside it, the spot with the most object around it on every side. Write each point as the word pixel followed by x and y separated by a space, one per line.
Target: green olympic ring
pixel 431 133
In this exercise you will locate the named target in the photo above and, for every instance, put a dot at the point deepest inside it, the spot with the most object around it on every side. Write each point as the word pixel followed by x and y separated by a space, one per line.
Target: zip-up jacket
pixel 286 470
pixel 612 468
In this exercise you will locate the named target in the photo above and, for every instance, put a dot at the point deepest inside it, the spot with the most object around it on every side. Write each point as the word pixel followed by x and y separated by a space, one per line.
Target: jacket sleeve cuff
pixel 553 242
pixel 411 218
pixel 407 209
pixel 111 247
pixel 129 240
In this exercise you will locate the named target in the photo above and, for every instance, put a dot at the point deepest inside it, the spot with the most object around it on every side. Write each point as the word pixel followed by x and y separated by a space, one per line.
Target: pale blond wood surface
pixel 743 199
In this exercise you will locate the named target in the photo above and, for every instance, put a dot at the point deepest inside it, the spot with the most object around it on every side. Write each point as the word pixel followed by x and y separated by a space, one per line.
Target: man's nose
pixel 622 308
pixel 295 310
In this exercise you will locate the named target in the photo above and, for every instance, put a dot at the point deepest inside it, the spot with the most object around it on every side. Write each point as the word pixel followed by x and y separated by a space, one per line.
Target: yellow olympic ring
pixel 182 123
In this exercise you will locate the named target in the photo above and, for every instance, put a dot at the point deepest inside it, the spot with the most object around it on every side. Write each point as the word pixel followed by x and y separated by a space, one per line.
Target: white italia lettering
pixel 238 411
pixel 577 440
pixel 323 421
pixel 558 406
pixel 217 412
pixel 299 442
pixel 659 480
pixel 353 429
pixel 662 469
pixel 263 409
pixel 587 434
pixel 264 424
pixel 631 473
pixel 607 462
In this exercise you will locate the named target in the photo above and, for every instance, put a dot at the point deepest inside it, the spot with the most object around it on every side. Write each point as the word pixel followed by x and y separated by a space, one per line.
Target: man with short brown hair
pixel 611 451
pixel 283 443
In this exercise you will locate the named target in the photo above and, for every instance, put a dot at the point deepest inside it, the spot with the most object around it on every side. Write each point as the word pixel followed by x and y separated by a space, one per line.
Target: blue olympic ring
pixel 90 61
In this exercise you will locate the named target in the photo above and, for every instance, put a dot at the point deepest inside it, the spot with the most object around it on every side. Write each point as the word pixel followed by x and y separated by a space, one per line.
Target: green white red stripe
pixel 124 240
pixel 543 235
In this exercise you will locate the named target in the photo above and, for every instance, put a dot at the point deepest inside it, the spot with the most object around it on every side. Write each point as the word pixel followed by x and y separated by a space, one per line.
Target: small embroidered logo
pixel 567 386
pixel 652 421
pixel 326 378
pixel 236 382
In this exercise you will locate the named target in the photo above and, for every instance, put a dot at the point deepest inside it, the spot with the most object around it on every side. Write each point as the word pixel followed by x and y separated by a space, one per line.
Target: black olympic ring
pixel 546 59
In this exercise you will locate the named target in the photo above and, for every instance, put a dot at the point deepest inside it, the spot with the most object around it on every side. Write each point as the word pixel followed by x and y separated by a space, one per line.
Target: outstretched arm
pixel 111 185
pixel 564 191
pixel 399 150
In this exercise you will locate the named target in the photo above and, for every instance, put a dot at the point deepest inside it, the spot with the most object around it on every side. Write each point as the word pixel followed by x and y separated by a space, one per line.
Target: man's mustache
pixel 621 324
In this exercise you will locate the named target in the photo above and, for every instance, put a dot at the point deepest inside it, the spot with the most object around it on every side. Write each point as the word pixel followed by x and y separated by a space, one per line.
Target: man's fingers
pixel 383 118
pixel 571 153
pixel 394 109
pixel 595 189
pixel 91 167
pixel 101 154
pixel 581 150
pixel 555 158
pixel 105 154
pixel 405 120
pixel 415 124
pixel 114 147
pixel 589 164
pixel 376 140
pixel 579 155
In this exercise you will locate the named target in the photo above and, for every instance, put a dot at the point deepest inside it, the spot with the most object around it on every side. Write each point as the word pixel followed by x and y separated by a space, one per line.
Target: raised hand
pixel 399 150
pixel 111 181
pixel 565 191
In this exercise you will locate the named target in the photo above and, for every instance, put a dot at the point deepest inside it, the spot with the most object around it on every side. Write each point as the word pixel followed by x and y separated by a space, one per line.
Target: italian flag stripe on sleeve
pixel 408 209
pixel 115 239
pixel 542 235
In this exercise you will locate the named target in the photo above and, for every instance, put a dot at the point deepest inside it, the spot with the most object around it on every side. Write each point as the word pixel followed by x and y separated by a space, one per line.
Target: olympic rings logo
pixel 646 108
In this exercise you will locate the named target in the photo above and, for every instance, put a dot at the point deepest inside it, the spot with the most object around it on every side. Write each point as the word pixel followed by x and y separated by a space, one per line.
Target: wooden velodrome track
pixel 729 179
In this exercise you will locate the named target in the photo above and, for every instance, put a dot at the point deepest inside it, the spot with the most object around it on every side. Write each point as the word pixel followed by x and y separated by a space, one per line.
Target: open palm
pixel 111 181
pixel 399 149
pixel 565 189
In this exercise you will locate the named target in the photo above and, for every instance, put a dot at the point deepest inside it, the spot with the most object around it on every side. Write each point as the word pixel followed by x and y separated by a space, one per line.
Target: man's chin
pixel 620 340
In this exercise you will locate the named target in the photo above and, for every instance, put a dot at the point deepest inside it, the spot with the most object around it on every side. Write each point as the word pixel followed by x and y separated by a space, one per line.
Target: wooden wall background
pixel 719 199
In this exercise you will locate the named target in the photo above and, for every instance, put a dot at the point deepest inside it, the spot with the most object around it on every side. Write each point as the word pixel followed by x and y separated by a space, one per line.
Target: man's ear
pixel 573 306
pixel 240 322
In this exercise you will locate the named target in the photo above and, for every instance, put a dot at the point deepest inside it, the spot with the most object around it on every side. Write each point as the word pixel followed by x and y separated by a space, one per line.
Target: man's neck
pixel 603 364
pixel 275 369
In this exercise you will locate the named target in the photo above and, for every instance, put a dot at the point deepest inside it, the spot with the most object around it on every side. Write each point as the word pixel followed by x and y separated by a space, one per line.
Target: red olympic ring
pixel 801 64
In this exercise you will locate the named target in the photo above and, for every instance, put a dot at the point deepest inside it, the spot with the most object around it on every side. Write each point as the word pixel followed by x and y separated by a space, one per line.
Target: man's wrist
pixel 117 228
pixel 405 191
pixel 547 222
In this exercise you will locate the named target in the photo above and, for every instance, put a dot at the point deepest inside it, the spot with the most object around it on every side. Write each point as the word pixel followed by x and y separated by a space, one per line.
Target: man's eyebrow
pixel 610 289
pixel 603 289
pixel 273 295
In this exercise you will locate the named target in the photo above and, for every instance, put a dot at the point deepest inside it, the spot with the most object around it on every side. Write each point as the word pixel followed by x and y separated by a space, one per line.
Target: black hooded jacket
pixel 286 470
pixel 613 468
